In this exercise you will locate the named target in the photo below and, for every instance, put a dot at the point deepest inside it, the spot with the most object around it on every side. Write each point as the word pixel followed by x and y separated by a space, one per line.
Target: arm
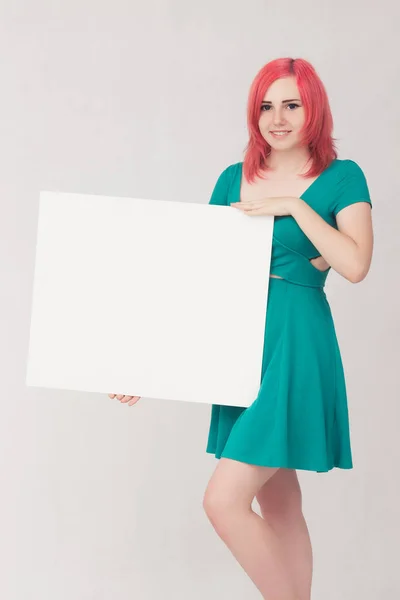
pixel 348 249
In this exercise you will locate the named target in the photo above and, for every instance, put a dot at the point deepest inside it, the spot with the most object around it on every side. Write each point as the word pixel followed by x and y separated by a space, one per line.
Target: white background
pixel 148 99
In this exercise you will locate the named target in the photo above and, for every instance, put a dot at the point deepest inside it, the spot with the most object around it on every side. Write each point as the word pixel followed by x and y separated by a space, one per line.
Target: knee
pixel 217 505
pixel 213 503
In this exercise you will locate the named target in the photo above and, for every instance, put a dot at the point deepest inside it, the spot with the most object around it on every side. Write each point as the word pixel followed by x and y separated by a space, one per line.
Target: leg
pixel 280 502
pixel 255 545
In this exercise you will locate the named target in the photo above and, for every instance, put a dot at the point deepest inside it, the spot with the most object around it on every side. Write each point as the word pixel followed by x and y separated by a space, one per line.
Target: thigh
pixel 280 494
pixel 236 483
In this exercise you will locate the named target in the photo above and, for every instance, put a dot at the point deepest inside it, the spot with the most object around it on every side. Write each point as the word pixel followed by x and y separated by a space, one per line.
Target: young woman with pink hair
pixel 299 419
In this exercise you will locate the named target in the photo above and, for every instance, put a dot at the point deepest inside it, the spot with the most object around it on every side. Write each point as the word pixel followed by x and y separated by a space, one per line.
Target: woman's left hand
pixel 277 207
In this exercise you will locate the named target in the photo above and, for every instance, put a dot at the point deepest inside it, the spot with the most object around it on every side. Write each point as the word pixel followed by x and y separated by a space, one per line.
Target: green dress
pixel 299 419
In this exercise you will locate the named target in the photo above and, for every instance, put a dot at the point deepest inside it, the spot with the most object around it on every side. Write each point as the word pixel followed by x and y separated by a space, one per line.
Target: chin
pixel 284 143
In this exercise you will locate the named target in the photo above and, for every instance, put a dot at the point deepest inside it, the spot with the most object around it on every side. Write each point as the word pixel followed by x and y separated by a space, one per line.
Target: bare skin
pixel 131 400
pixel 280 502
pixel 273 549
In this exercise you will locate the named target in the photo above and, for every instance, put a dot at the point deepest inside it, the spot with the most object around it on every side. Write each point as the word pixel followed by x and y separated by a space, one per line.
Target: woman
pixel 299 419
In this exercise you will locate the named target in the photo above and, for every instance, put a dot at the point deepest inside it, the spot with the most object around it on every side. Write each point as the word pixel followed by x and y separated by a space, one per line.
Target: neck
pixel 288 162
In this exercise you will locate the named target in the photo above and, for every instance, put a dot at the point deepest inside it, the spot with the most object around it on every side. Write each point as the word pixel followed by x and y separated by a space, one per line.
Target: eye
pixel 265 106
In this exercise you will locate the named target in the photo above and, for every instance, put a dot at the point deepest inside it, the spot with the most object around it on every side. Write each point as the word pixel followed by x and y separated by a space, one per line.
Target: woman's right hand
pixel 129 399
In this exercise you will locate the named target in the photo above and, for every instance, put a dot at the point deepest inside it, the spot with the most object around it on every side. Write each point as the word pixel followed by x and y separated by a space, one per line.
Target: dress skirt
pixel 299 419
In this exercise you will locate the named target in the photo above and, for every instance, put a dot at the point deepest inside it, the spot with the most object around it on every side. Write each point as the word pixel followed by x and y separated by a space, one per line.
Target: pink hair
pixel 317 130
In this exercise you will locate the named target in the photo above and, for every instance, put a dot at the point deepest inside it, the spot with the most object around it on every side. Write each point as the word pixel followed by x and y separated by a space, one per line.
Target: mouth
pixel 280 133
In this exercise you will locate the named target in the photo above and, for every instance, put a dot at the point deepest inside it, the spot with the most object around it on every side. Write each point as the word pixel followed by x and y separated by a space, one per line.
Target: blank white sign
pixel 149 298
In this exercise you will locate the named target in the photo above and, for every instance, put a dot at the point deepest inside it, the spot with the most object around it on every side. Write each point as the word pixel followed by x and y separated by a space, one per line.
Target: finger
pixel 111 396
pixel 134 400
pixel 256 211
pixel 250 206
pixel 126 398
pixel 120 396
pixel 252 202
pixel 246 209
pixel 254 206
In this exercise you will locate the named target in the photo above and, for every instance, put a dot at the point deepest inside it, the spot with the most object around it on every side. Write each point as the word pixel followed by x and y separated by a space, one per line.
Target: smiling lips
pixel 280 133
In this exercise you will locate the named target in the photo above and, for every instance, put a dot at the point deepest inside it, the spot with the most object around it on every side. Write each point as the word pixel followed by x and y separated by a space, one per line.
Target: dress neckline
pixel 317 180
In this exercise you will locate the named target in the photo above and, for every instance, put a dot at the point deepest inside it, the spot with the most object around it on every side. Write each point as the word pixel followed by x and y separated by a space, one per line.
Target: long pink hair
pixel 317 130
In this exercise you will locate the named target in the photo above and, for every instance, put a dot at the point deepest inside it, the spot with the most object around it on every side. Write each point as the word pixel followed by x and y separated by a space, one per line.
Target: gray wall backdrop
pixel 102 501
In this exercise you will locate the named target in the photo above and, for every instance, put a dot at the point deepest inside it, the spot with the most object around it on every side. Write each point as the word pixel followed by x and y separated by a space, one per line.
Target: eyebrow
pixel 283 101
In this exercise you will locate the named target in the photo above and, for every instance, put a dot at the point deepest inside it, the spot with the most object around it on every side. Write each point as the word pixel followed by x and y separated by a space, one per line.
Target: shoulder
pixel 220 194
pixel 229 175
pixel 351 186
pixel 231 171
pixel 349 168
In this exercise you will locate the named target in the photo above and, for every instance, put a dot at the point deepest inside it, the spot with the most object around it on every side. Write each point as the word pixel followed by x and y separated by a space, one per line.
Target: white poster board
pixel 149 298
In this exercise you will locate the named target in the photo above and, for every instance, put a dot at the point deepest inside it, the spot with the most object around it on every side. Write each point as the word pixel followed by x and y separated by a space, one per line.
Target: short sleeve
pixel 352 187
pixel 221 189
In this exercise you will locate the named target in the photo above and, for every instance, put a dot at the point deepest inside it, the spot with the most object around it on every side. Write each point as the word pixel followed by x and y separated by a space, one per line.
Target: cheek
pixel 263 121
pixel 298 119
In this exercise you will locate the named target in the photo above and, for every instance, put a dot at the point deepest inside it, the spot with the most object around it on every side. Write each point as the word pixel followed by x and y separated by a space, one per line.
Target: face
pixel 277 114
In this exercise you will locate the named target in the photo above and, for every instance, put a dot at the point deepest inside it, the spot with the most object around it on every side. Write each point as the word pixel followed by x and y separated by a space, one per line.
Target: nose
pixel 279 119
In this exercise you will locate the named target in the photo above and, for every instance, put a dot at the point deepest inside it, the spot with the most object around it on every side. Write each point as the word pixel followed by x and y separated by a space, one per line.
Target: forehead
pixel 281 89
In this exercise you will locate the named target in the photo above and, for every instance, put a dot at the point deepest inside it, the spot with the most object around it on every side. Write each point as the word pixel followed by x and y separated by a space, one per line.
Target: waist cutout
pixel 295 267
